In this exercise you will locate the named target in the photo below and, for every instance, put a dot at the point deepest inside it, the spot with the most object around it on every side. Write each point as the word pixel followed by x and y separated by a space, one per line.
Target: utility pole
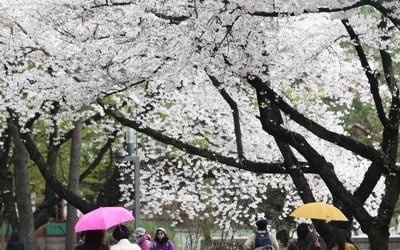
pixel 131 147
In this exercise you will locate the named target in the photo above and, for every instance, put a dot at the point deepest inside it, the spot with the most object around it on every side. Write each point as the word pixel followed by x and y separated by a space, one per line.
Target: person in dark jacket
pixel 341 241
pixel 93 240
pixel 14 243
pixel 305 240
pixel 283 239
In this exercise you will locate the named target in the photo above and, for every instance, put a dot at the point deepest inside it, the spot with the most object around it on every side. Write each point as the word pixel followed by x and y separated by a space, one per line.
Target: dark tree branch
pixel 303 188
pixel 275 116
pixel 55 107
pixel 235 113
pixel 256 167
pixel 320 131
pixel 372 78
pixel 67 136
pixel 317 10
pixel 51 179
pixel 227 33
pixel 296 173
pixel 120 89
pixel 388 202
pixel 390 132
pixel 390 14
pixel 371 178
pixel 390 144
pixel 22 187
pixel 387 65
pixel 110 3
pixel 45 210
pixel 30 49
pixel 52 154
pixel 171 19
pixel 7 197
pixel 323 168
pixel 99 156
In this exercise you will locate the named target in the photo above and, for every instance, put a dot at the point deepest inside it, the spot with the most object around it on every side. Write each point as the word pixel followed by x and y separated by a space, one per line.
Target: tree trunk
pixel 7 198
pixel 8 215
pixel 378 239
pixel 73 183
pixel 23 195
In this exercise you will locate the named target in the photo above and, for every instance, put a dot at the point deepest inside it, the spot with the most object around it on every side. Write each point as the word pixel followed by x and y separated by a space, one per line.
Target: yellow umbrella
pixel 319 210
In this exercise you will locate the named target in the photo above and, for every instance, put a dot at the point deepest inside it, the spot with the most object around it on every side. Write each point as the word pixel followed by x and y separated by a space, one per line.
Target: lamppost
pixel 131 147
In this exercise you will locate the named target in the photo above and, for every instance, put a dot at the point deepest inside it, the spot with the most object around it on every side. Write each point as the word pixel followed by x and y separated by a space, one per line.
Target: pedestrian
pixel 80 236
pixel 14 243
pixel 261 238
pixel 93 239
pixel 283 239
pixel 121 234
pixel 305 240
pixel 161 240
pixel 143 239
pixel 341 241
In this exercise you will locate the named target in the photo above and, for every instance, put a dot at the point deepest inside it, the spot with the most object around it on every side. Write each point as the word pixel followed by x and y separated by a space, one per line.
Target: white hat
pixel 140 231
pixel 161 229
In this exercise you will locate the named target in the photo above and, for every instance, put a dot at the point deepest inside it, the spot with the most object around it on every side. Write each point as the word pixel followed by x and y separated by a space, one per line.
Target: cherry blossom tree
pixel 234 97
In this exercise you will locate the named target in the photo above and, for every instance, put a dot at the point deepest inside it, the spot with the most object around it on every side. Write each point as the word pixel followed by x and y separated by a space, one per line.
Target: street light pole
pixel 131 146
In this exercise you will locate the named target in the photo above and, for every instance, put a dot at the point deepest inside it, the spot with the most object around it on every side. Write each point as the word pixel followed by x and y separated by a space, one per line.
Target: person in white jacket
pixel 121 233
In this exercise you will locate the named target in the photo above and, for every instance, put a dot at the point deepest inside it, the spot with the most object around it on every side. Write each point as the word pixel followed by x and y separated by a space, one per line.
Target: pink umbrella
pixel 103 218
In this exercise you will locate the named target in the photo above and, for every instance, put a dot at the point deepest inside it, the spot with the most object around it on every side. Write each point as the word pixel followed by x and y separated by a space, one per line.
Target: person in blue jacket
pixel 14 243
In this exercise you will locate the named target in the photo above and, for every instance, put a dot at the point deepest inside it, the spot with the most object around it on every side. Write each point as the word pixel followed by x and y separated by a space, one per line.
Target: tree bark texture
pixel 73 183
pixel 7 197
pixel 23 192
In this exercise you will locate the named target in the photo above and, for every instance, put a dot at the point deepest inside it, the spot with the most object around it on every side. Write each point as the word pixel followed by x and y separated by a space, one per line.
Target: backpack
pixel 262 241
